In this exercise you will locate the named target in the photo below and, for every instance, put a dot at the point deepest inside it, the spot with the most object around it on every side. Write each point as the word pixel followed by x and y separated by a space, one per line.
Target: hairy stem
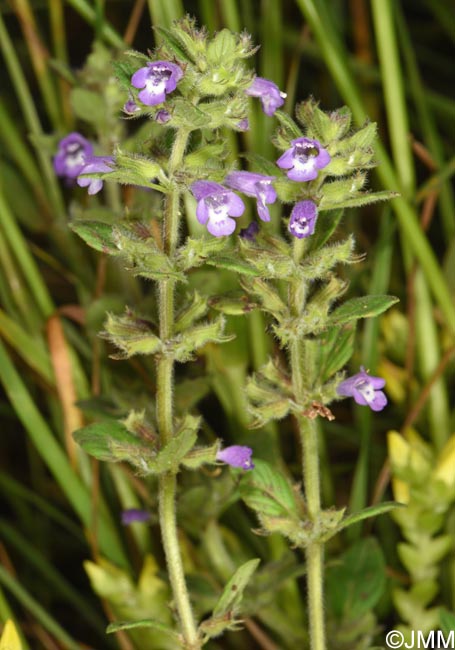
pixel 301 378
pixel 164 408
pixel 314 552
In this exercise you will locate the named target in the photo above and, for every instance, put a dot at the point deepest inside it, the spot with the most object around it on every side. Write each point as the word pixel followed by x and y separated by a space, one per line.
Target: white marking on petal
pixel 366 389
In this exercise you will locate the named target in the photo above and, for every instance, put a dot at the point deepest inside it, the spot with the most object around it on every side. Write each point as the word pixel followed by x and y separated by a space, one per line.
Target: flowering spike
pixel 268 92
pixel 364 389
pixel 133 515
pixel 157 79
pixel 216 205
pixel 256 185
pixel 303 219
pixel 304 159
pixel 73 151
pixel 236 456
pixel 94 165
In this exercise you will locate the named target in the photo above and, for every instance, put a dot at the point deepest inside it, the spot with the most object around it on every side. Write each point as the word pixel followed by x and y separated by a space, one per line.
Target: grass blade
pixel 55 459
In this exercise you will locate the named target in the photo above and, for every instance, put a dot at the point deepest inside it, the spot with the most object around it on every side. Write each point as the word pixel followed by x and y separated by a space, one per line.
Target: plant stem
pixel 164 408
pixel 314 552
pixel 301 380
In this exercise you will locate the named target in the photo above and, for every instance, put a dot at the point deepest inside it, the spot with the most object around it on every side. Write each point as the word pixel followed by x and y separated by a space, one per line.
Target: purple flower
pixel 303 219
pixel 270 95
pixel 243 125
pixel 304 159
pixel 216 205
pixel 162 116
pixel 364 389
pixel 236 456
pixel 73 151
pixel 250 231
pixel 256 185
pixel 130 107
pixel 94 165
pixel 157 79
pixel 133 515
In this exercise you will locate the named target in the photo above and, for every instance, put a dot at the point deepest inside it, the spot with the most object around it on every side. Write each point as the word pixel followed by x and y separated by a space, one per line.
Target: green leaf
pixel 89 106
pixel 146 622
pixel 131 334
pixel 201 455
pixel 267 491
pixel 143 257
pixel 325 127
pixel 185 345
pixel 364 307
pixel 232 594
pixel 131 601
pixel 267 293
pixel 334 349
pixel 367 513
pixel 172 43
pixel 261 164
pixel 123 71
pixel 195 252
pixel 318 263
pixel 196 309
pixel 233 264
pixel 363 198
pixel 187 114
pixel 334 192
pixel 419 565
pixel 326 225
pixel 97 234
pixel 205 154
pixel 266 411
pixel 97 439
pixel 169 458
pixel 362 138
pixel 447 621
pixel 290 127
pixel 232 304
pixel 140 170
pixel 221 48
pixel 356 583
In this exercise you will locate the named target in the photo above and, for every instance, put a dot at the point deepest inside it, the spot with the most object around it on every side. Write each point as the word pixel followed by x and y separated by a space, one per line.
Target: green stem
pixel 301 367
pixel 314 552
pixel 394 94
pixel 164 407
pixel 84 9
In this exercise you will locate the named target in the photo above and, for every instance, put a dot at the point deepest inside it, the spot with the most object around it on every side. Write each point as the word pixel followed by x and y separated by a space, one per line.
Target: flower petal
pixel 139 78
pixel 202 214
pixel 236 205
pixel 286 161
pixel 221 227
pixel 236 456
pixel 150 98
pixel 307 174
pixel 201 189
pixel 263 211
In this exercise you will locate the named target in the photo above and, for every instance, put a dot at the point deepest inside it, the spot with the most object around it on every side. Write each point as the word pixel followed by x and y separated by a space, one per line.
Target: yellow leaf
pixel 445 468
pixel 401 491
pixel 10 638
pixel 406 455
